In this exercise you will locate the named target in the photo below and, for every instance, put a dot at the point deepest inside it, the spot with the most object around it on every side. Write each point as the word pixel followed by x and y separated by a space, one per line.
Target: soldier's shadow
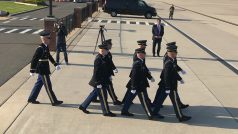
pixel 205 116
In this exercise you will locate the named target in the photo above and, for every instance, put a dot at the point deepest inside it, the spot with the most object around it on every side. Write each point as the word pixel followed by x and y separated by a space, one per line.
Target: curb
pixel 28 11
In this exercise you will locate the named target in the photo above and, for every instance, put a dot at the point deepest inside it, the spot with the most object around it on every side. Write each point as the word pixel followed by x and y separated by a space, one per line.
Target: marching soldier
pixel 40 65
pixel 158 33
pixel 138 84
pixel 142 44
pixel 100 81
pixel 179 69
pixel 113 69
pixel 168 83
pixel 171 12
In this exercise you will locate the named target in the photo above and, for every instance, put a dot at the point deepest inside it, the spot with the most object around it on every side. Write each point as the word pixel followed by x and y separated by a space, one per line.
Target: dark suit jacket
pixel 156 32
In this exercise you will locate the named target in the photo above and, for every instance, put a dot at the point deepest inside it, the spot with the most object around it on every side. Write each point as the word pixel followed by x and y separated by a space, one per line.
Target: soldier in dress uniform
pixel 40 65
pixel 113 69
pixel 139 83
pixel 171 12
pixel 100 82
pixel 168 83
pixel 179 69
pixel 142 44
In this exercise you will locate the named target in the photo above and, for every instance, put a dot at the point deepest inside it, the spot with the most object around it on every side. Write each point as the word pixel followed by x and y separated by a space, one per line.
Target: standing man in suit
pixel 100 81
pixel 158 33
pixel 40 65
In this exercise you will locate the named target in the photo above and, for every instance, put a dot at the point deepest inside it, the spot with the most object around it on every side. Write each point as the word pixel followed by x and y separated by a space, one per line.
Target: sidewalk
pixel 71 85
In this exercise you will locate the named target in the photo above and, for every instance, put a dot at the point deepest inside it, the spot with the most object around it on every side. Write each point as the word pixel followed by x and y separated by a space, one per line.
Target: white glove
pixel 57 67
pixel 99 86
pixel 152 79
pixel 110 78
pixel 115 71
pixel 32 74
pixel 133 91
pixel 183 72
pixel 182 81
pixel 167 91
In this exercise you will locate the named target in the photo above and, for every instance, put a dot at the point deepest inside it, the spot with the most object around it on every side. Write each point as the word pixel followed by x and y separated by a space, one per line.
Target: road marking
pixel 13 30
pixel 33 19
pixel 99 21
pixel 127 22
pixel 147 23
pixel 109 21
pixel 14 18
pixel 38 31
pixel 118 22
pixel 23 18
pixel 25 31
pixel 6 22
pixel 137 23
pixel 1 29
pixel 41 19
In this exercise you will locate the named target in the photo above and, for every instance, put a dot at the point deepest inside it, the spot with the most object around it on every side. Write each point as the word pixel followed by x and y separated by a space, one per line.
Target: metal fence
pixel 69 22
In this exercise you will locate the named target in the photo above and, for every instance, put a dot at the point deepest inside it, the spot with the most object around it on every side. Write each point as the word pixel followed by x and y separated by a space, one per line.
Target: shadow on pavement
pixel 206 116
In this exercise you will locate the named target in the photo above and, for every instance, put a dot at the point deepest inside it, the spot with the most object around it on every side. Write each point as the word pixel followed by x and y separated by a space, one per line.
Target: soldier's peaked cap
pixel 142 42
pixel 44 33
pixel 103 46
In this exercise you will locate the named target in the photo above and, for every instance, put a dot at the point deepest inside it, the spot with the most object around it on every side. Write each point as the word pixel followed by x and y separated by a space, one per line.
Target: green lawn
pixel 16 8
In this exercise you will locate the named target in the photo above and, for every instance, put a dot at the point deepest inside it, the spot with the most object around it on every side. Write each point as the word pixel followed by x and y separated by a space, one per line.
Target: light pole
pixel 50 9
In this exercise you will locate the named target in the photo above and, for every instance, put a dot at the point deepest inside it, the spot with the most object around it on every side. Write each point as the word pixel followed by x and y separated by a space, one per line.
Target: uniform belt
pixel 43 60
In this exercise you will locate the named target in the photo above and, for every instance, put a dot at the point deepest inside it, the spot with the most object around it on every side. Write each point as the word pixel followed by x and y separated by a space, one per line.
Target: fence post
pixel 78 17
pixel 49 26
pixel 90 7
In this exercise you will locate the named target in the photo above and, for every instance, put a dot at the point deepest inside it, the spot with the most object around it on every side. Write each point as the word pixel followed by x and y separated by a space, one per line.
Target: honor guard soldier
pixel 168 83
pixel 142 44
pixel 171 12
pixel 138 84
pixel 113 69
pixel 158 33
pixel 179 69
pixel 100 81
pixel 40 65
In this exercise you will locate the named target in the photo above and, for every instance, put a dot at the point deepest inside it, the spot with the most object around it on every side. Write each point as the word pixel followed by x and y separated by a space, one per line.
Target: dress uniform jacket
pixel 170 76
pixel 40 60
pixel 101 73
pixel 139 76
pixel 111 65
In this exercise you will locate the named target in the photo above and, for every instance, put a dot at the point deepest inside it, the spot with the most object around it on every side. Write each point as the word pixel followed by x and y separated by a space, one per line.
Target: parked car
pixel 129 7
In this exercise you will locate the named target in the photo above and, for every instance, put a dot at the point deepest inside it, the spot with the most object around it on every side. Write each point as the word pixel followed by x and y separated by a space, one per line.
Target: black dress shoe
pixel 117 102
pixel 110 114
pixel 96 101
pixel 127 114
pixel 183 106
pixel 157 115
pixel 57 103
pixel 185 118
pixel 84 110
pixel 34 102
